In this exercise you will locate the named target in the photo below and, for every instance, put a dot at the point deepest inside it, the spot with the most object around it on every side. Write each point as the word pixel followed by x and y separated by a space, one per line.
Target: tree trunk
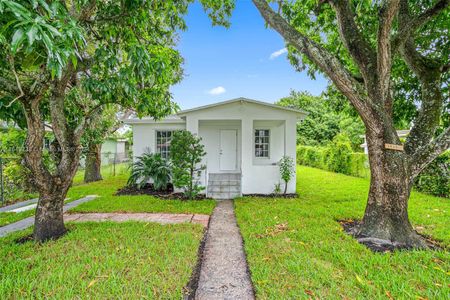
pixel 49 222
pixel 92 171
pixel 386 214
pixel 285 188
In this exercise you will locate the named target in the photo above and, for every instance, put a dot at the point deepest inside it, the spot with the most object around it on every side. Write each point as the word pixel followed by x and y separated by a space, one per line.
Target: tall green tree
pixel 326 118
pixel 377 53
pixel 102 125
pixel 62 61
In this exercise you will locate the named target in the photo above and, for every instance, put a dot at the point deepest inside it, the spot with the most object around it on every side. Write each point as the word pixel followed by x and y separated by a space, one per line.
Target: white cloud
pixel 278 53
pixel 217 90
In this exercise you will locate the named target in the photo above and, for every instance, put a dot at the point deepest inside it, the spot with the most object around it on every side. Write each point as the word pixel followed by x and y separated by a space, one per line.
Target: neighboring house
pixel 244 140
pixel 114 150
pixel 402 134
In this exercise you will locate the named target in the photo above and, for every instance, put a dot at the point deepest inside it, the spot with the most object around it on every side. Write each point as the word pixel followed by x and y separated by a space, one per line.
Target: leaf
pixel 359 279
pixel 388 294
pixel 17 39
pixel 94 281
pixel 31 34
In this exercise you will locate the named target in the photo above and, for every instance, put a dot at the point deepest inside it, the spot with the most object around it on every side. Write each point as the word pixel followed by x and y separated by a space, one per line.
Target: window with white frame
pixel 262 142
pixel 163 138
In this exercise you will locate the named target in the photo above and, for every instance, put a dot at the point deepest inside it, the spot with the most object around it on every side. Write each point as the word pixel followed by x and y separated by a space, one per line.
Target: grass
pixel 107 202
pixel 108 172
pixel 296 249
pixel 106 260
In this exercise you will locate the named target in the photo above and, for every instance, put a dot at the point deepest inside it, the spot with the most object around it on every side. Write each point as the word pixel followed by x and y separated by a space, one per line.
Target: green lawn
pixel 107 202
pixel 102 261
pixel 296 249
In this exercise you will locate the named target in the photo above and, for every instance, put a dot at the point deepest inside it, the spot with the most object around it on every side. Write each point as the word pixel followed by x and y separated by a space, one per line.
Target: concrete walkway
pixel 223 273
pixel 162 218
pixel 18 205
pixel 28 222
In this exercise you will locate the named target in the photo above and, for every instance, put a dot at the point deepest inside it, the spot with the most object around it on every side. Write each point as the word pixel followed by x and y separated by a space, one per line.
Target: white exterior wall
pixel 144 136
pixel 259 175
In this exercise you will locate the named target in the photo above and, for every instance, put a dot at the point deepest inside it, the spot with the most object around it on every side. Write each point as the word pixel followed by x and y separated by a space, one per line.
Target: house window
pixel 163 143
pixel 262 137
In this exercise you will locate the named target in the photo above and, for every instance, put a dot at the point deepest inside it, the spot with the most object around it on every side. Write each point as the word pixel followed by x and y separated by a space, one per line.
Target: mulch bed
pixel 148 189
pixel 271 195
pixel 377 245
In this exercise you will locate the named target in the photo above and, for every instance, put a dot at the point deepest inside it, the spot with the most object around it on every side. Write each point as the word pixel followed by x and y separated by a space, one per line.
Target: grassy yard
pixel 107 202
pixel 102 261
pixel 296 249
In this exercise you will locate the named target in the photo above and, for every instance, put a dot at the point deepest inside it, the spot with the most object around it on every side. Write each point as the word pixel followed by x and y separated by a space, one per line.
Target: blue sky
pixel 222 64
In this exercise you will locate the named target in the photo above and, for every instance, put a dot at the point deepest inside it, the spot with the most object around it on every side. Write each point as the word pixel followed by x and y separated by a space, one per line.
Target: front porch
pixel 247 150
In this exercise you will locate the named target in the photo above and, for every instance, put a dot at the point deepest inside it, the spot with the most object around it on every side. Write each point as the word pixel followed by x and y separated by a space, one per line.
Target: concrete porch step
pixel 224 188
pixel 224 182
pixel 223 195
pixel 225 176
pixel 224 185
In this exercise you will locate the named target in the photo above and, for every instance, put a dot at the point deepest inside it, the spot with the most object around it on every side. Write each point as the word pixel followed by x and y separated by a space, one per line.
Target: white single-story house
pixel 244 140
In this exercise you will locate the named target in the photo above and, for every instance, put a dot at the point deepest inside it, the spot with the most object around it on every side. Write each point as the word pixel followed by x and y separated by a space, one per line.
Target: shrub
pixel 186 153
pixel 338 155
pixel 310 156
pixel 359 165
pixel 435 179
pixel 153 167
pixel 319 157
pixel 286 170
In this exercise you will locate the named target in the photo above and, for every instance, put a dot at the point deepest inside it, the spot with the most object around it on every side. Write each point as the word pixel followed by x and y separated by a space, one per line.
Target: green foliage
pixel 318 21
pixel 435 179
pixel 338 155
pixel 320 157
pixel 186 152
pixel 277 189
pixel 327 117
pixel 153 167
pixel 287 170
pixel 16 177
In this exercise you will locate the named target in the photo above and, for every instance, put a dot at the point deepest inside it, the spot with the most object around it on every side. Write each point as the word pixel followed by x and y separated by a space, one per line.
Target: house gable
pixel 244 104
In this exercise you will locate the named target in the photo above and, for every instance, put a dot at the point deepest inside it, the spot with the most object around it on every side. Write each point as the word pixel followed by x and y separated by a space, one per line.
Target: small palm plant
pixel 153 167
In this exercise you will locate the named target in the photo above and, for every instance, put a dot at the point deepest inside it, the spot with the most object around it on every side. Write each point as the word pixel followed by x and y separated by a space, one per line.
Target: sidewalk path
pixel 28 222
pixel 162 218
pixel 223 273
pixel 18 205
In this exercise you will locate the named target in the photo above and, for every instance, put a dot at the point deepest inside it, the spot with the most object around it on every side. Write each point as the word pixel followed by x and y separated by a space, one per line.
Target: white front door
pixel 228 149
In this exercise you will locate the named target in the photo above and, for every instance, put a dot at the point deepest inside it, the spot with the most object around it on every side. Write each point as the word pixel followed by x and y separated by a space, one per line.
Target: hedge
pixel 434 180
pixel 350 163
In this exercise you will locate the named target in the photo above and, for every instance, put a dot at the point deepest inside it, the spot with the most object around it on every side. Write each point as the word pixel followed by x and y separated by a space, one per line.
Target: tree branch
pixel 360 50
pixel 328 63
pixel 8 85
pixel 429 75
pixel 18 84
pixel 426 154
pixel 34 141
pixel 388 11
pixel 409 24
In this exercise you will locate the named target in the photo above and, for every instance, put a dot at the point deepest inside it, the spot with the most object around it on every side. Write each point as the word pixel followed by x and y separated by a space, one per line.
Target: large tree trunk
pixel 386 215
pixel 49 222
pixel 92 171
